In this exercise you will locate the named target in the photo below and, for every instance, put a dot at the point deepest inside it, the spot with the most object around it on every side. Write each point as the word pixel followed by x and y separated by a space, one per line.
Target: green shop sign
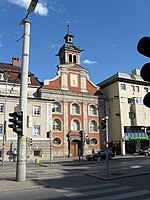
pixel 138 138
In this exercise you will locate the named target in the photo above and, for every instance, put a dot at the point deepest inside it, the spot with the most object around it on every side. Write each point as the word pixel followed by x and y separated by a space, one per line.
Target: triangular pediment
pixel 78 67
pixel 73 67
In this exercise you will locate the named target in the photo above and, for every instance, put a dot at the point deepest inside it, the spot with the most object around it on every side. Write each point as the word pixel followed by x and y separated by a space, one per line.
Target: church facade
pixel 75 113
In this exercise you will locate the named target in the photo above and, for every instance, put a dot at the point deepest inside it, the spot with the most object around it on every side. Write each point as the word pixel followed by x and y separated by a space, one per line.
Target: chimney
pixel 15 61
pixel 136 72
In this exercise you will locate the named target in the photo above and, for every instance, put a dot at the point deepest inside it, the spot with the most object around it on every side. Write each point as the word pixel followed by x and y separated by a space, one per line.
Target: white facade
pixel 39 113
pixel 128 116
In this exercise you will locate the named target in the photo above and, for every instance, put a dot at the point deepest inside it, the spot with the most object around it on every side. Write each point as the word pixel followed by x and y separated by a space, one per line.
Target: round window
pixel 57 141
pixel 94 141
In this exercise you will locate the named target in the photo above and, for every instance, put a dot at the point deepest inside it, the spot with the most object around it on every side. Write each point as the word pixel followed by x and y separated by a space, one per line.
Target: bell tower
pixel 69 52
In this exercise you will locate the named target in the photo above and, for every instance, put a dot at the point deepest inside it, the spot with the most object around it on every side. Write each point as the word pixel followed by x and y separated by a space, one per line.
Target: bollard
pixel 37 161
pixel 99 158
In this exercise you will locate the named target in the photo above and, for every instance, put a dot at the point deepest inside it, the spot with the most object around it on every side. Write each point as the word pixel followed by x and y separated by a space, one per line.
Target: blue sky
pixel 107 30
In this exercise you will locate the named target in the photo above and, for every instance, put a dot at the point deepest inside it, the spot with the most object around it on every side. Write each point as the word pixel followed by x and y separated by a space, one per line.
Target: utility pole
pixel 21 148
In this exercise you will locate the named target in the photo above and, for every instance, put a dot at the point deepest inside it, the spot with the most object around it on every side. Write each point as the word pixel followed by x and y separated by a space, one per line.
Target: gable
pixel 53 83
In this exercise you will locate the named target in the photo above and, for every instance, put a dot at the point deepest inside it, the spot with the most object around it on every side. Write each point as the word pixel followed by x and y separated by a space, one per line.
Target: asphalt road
pixel 87 180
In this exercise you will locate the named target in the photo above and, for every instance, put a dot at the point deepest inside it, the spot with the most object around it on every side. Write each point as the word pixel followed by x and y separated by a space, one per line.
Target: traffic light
pixel 143 48
pixel 30 142
pixel 103 124
pixel 48 134
pixel 16 122
pixel 11 120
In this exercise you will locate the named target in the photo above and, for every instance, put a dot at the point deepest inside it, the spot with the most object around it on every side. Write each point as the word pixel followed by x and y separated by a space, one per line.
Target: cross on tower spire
pixel 68 27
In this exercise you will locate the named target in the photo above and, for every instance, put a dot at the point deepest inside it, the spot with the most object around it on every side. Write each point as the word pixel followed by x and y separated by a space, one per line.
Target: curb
pixel 107 178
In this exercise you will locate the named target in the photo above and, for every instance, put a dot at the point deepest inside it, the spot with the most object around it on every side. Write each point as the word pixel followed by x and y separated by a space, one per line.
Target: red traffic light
pixel 103 124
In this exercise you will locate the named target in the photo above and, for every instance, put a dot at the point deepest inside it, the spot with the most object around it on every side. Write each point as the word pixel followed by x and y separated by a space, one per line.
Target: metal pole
pixel 83 145
pixel 107 157
pixel 51 147
pixel 5 122
pixel 21 158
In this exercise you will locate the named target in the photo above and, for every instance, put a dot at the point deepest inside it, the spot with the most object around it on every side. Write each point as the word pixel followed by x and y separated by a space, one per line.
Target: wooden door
pixel 74 149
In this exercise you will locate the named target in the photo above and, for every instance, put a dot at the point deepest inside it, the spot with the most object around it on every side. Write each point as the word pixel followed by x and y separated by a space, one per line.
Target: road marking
pixel 86 187
pixel 50 177
pixel 124 195
pixel 135 166
pixel 98 191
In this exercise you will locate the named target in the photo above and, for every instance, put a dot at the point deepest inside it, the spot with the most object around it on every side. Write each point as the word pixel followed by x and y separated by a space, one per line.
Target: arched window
pixel 70 58
pixel 93 126
pixel 92 110
pixel 75 125
pixel 75 109
pixel 57 125
pixel 74 58
pixel 56 107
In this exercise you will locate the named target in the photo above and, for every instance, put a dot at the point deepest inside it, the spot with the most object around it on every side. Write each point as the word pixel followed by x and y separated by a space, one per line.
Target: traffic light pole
pixel 107 157
pixel 51 146
pixel 21 155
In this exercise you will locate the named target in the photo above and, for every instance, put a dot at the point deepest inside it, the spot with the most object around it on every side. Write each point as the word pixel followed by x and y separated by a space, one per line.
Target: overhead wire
pixel 11 44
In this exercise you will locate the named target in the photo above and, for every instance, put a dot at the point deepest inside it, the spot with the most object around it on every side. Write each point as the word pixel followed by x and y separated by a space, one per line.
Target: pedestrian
pixel 14 155
pixel 10 155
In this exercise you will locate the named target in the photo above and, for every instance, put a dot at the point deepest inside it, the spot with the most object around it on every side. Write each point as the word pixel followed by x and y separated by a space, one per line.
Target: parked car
pixel 100 155
pixel 145 152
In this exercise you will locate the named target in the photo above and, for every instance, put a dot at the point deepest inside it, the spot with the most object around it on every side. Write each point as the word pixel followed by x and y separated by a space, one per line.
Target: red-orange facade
pixel 75 114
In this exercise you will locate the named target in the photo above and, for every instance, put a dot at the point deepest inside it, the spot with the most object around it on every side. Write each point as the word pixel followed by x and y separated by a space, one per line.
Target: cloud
pixel 41 8
pixel 55 45
pixel 89 62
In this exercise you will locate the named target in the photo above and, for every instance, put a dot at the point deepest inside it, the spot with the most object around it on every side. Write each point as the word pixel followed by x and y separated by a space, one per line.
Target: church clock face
pixel 74 80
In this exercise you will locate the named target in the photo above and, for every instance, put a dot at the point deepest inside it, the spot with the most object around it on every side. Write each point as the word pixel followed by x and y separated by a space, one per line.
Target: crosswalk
pixel 106 191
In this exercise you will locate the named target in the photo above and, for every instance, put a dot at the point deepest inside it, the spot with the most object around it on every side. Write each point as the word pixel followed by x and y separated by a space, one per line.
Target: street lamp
pixel 32 6
pixel 21 156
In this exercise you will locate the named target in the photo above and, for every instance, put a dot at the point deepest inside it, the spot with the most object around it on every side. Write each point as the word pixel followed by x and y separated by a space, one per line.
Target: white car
pixel 145 152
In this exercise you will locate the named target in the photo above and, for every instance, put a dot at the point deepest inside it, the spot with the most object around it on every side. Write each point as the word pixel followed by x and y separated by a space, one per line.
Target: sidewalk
pixel 12 185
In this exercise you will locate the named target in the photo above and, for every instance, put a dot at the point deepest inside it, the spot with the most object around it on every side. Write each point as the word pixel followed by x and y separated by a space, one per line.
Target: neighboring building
pixel 38 111
pixel 128 116
pixel 75 110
